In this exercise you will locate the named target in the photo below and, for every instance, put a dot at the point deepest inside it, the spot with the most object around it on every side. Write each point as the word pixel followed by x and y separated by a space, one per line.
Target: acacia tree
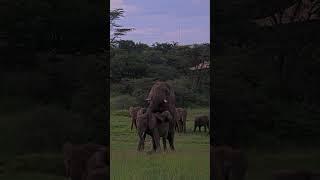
pixel 117 30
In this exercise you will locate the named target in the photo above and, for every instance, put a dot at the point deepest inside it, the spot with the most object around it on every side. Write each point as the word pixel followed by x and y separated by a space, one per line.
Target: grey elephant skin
pixel 201 121
pixel 133 114
pixel 162 98
pixel 162 121
pixel 181 123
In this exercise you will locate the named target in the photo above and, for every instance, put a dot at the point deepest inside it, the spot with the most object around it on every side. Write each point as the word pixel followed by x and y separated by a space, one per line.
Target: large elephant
pixel 162 98
pixel 76 157
pixel 228 163
pixel 133 114
pixel 161 129
pixel 181 123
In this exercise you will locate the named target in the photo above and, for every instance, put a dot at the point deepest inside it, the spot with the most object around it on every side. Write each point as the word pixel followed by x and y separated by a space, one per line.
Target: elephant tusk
pixel 148 99
pixel 165 101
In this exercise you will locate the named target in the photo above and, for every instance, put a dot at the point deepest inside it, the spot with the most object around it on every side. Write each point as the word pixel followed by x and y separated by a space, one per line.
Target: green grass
pixel 189 161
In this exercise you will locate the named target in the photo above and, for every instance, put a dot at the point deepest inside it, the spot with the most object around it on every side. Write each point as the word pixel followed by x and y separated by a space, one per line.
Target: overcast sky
pixel 159 20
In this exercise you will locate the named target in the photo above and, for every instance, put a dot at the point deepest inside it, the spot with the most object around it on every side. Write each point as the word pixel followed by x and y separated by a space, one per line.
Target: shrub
pixel 123 102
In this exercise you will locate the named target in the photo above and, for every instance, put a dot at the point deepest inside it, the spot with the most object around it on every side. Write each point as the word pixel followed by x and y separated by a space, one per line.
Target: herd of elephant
pixel 161 118
pixel 181 122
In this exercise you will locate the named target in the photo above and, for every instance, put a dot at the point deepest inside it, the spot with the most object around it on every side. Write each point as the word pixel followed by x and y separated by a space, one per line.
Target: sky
pixel 160 20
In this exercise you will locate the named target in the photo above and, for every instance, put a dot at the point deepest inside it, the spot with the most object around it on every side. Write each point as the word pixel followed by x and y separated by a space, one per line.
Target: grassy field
pixel 189 161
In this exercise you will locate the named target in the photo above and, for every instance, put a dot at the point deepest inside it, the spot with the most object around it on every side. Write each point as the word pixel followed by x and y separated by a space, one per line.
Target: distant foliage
pixel 136 66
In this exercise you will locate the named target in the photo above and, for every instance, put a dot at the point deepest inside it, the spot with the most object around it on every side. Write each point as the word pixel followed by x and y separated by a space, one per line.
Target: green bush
pixel 123 102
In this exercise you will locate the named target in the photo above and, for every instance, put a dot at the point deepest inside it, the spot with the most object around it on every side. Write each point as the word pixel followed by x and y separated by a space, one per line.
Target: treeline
pixel 135 66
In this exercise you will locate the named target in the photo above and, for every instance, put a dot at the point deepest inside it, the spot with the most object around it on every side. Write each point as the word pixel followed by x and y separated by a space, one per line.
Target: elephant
pixel 97 165
pixel 161 129
pixel 228 163
pixel 162 98
pixel 291 174
pixel 201 121
pixel 181 119
pixel 133 114
pixel 76 157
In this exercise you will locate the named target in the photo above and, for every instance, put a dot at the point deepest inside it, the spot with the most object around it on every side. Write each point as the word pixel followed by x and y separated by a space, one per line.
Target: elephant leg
pixel 140 145
pixel 205 128
pixel 199 128
pixel 195 127
pixel 156 139
pixel 164 139
pixel 154 144
pixel 135 124
pixel 144 139
pixel 142 136
pixel 171 141
pixel 184 126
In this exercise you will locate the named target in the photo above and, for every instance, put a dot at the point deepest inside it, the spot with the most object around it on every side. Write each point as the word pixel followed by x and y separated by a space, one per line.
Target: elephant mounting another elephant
pixel 161 129
pixel 181 120
pixel 161 98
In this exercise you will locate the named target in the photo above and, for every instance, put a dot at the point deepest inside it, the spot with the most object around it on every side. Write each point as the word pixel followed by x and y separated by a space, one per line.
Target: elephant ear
pixel 152 121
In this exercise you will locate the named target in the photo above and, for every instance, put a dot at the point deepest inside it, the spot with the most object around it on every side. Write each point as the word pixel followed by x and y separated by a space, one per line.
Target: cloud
pixel 129 9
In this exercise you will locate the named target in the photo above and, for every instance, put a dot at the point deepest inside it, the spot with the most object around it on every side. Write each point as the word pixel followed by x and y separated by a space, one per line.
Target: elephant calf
pixel 201 121
pixel 133 111
pixel 181 119
pixel 228 163
pixel 156 127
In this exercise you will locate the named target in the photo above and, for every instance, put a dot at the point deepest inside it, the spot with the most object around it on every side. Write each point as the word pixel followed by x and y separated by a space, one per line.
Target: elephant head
pixel 161 98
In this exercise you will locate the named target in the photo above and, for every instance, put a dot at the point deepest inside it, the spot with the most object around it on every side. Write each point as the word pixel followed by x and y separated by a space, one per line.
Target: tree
pixel 117 30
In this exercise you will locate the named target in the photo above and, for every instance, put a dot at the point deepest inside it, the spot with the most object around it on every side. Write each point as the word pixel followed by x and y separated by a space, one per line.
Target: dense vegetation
pixel 135 67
